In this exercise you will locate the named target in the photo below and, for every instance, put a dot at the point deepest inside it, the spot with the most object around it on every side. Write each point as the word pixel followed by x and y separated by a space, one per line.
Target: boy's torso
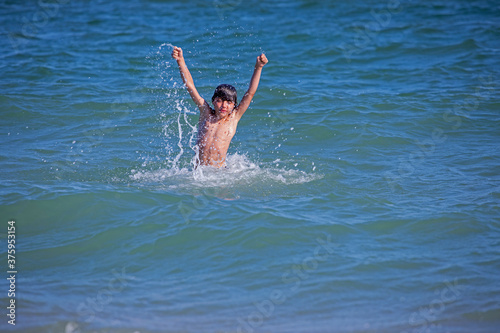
pixel 214 138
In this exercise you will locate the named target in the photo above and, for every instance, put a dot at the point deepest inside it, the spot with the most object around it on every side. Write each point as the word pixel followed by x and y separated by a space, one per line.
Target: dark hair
pixel 226 92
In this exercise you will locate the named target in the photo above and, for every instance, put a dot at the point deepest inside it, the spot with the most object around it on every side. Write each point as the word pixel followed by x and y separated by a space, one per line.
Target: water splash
pixel 166 44
pixel 241 174
pixel 192 131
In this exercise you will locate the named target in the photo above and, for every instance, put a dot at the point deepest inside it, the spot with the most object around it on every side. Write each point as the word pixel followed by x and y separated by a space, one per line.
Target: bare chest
pixel 221 130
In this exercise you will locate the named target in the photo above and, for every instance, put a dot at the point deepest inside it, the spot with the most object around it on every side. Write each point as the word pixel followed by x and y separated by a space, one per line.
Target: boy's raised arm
pixel 187 78
pixel 254 83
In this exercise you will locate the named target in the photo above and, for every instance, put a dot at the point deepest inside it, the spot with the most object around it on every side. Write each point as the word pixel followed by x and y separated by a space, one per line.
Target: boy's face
pixel 223 107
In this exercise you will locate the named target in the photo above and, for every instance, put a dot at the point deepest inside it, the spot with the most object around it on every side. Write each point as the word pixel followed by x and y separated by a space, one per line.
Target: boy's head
pixel 225 92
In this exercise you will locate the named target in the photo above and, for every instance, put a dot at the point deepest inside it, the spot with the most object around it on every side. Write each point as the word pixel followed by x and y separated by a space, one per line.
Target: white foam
pixel 240 173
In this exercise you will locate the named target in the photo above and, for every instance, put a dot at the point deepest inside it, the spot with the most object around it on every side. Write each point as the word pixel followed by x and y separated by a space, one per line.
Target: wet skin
pixel 215 132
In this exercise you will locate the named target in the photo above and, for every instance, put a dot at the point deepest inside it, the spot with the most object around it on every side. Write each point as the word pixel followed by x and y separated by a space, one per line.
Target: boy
pixel 217 126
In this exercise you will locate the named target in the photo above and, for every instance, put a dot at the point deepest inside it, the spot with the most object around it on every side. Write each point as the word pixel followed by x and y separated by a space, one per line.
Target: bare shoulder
pixel 206 110
pixel 239 111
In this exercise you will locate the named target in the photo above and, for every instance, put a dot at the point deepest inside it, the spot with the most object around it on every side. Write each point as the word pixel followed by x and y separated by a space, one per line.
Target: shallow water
pixel 363 187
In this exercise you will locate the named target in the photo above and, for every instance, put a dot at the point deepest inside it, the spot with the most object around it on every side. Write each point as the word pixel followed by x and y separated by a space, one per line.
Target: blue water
pixel 363 187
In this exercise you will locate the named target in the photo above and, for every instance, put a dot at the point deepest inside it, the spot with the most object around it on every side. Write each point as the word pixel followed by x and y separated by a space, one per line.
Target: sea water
pixel 362 189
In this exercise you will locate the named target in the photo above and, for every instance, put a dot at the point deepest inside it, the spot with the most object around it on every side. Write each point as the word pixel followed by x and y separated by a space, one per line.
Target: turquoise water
pixel 363 187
